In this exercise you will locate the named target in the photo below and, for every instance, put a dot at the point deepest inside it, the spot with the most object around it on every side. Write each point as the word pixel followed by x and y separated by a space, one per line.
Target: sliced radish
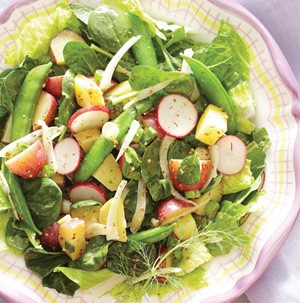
pixel 232 155
pixel 87 191
pixel 68 155
pixel 88 117
pixel 176 115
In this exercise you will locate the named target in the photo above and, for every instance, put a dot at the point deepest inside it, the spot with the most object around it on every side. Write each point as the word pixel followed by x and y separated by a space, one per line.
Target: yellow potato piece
pixel 87 138
pixel 185 228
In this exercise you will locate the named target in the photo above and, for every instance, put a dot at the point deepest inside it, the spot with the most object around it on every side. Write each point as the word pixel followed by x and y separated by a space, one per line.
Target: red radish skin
pixel 176 115
pixel 53 86
pixel 49 238
pixel 68 155
pixel 172 208
pixel 88 117
pixel 87 191
pixel 30 162
pixel 206 167
pixel 232 155
pixel 45 109
pixel 150 120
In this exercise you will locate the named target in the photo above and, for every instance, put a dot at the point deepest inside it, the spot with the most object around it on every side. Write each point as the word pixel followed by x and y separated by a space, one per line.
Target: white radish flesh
pixel 68 155
pixel 87 191
pixel 88 117
pixel 176 115
pixel 232 155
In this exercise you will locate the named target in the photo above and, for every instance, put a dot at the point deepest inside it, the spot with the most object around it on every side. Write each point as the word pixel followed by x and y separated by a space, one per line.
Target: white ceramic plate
pixel 277 95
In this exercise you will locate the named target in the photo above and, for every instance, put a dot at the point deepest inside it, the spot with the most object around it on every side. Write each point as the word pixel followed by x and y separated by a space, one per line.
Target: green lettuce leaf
pixel 4 217
pixel 36 35
pixel 237 182
pixel 228 57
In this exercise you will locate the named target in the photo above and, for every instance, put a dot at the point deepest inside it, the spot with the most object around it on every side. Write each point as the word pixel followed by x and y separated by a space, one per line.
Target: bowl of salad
pixel 147 151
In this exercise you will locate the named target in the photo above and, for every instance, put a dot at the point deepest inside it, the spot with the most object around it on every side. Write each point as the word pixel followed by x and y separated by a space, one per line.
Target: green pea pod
pixel 143 49
pixel 26 100
pixel 103 147
pixel 153 235
pixel 214 91
pixel 19 200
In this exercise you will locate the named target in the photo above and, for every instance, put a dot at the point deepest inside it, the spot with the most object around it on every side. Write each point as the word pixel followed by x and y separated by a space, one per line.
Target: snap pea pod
pixel 214 91
pixel 103 147
pixel 26 100
pixel 143 49
pixel 153 235
pixel 19 200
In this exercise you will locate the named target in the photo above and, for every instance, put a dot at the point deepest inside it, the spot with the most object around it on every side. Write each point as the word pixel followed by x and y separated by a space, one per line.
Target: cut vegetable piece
pixel 212 125
pixel 176 115
pixel 214 157
pixel 150 120
pixel 135 125
pixel 172 209
pixel 88 117
pixel 53 85
pixel 232 153
pixel 45 109
pixel 72 237
pixel 186 227
pixel 6 133
pixel 68 155
pixel 87 191
pixel 87 91
pixel 109 173
pixel 109 70
pixel 13 148
pixel 59 42
pixel 30 162
pixel 140 209
pixel 87 138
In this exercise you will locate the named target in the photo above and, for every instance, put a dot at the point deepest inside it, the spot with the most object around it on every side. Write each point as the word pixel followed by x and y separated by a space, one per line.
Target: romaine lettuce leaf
pixel 228 57
pixel 237 182
pixel 36 35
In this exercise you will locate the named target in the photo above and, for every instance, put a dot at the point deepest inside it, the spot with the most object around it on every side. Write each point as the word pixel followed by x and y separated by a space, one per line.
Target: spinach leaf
pixel 179 150
pixel 189 170
pixel 177 35
pixel 4 202
pixel 60 283
pixel 94 255
pixel 131 167
pixel 82 12
pixel 81 58
pixel 43 262
pixel 145 76
pixel 109 27
pixel 15 238
pixel 44 199
pixel 67 102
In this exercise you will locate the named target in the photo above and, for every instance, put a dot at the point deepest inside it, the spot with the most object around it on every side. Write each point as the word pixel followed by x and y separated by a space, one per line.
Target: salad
pixel 129 154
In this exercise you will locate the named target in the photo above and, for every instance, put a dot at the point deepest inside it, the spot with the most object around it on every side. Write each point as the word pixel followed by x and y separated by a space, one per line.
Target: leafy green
pixel 257 157
pixel 43 262
pixel 44 199
pixel 4 202
pixel 145 76
pixel 179 149
pixel 177 35
pixel 82 12
pixel 35 36
pixel 60 283
pixel 243 97
pixel 228 57
pixel 15 238
pixel 4 218
pixel 261 137
pixel 81 58
pixel 94 256
pixel 189 170
pixel 131 165
pixel 109 27
pixel 237 182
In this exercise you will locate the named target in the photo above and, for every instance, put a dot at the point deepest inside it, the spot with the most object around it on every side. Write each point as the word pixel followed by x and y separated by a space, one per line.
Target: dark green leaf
pixel 82 12
pixel 60 283
pixel 189 170
pixel 43 262
pixel 44 199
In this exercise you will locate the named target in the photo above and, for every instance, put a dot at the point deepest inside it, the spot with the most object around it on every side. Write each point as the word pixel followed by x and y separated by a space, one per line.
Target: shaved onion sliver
pixel 135 125
pixel 113 63
pixel 7 191
pixel 140 209
pixel 47 143
pixel 13 149
pixel 214 157
pixel 145 93
pixel 164 165
pixel 112 230
pixel 185 68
